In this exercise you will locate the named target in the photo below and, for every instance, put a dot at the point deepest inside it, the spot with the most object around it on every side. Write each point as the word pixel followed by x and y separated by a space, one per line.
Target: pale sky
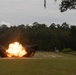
pixel 16 12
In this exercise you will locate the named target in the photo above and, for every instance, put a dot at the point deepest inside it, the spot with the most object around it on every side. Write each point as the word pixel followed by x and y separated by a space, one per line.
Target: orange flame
pixel 15 50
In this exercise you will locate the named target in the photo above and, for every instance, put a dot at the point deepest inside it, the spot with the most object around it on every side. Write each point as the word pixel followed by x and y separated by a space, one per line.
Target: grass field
pixel 43 63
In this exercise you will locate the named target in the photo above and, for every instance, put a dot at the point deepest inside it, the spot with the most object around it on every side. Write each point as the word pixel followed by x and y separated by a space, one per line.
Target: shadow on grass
pixel 71 53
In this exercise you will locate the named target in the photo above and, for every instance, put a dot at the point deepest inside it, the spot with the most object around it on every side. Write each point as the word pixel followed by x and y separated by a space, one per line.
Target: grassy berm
pixel 42 63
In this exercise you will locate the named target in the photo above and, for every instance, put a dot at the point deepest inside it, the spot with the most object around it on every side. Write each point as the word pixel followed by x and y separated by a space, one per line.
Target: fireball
pixel 15 50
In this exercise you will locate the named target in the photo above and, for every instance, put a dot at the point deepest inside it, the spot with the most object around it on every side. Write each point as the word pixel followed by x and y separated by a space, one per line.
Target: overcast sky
pixel 14 12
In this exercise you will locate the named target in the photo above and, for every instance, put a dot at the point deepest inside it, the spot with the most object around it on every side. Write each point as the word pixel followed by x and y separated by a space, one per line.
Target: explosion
pixel 15 50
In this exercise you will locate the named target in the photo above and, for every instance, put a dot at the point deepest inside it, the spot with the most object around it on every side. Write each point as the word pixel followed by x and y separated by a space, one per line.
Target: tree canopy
pixel 67 4
pixel 47 38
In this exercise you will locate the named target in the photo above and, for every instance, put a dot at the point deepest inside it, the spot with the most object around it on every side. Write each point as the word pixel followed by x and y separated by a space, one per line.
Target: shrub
pixel 66 50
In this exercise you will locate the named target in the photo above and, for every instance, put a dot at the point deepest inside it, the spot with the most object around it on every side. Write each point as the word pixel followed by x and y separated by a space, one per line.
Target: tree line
pixel 47 38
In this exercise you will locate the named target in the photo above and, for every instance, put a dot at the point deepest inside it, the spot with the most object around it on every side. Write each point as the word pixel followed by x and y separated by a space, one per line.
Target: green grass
pixel 43 63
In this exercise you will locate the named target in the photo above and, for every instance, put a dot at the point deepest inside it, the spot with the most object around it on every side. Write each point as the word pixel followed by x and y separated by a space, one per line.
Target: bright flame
pixel 15 50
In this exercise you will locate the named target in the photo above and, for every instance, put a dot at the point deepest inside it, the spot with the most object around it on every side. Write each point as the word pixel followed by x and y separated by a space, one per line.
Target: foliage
pixel 67 4
pixel 66 50
pixel 47 38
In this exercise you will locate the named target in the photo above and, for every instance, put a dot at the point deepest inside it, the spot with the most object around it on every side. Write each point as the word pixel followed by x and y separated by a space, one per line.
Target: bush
pixel 66 50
